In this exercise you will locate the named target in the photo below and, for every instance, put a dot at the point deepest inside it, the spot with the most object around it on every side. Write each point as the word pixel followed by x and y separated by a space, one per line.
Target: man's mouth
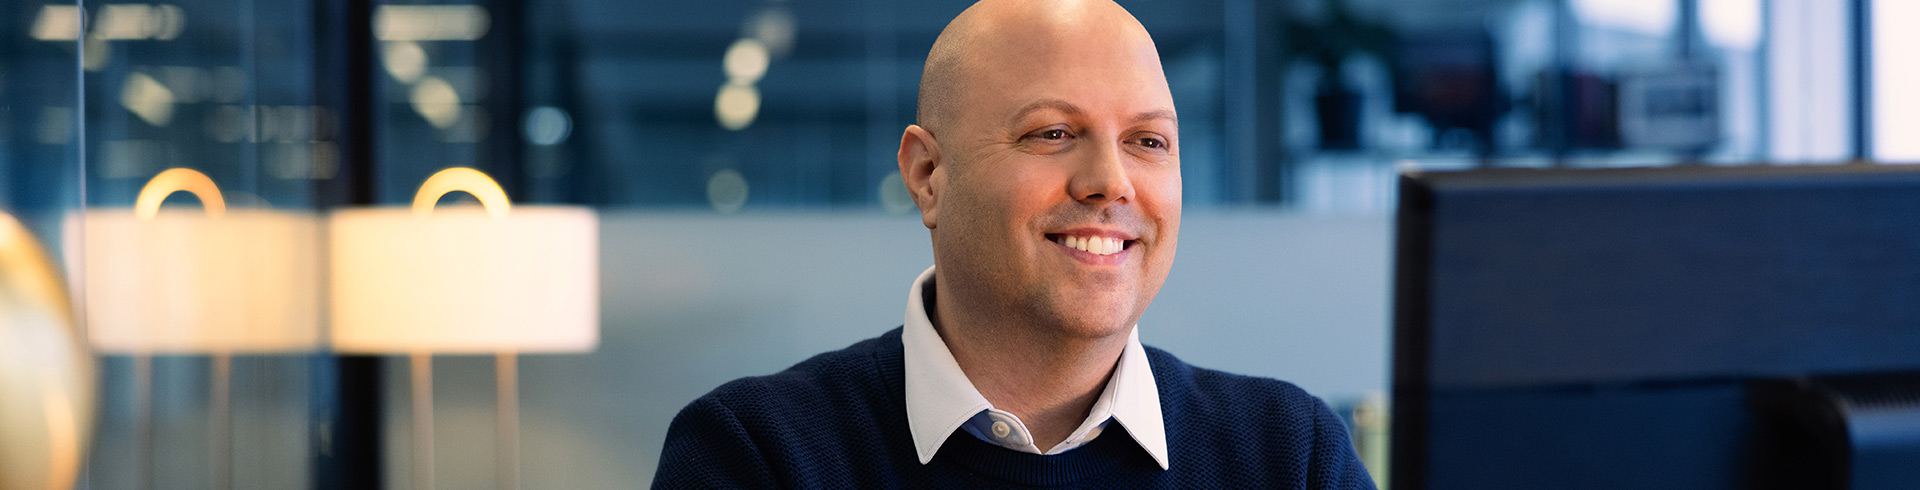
pixel 1097 245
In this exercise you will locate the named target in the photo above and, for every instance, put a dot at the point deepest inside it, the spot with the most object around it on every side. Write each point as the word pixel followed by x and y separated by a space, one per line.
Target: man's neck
pixel 1049 381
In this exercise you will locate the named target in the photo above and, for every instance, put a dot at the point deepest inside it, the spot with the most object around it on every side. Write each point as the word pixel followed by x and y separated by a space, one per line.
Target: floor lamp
pixel 502 279
pixel 217 281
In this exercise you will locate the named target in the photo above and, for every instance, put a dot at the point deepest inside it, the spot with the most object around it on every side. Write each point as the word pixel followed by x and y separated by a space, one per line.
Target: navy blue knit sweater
pixel 839 420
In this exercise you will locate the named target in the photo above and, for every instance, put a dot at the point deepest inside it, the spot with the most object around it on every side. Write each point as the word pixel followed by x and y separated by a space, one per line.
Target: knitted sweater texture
pixel 839 420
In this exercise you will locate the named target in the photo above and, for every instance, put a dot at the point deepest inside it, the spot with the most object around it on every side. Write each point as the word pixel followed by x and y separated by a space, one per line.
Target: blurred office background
pixel 739 154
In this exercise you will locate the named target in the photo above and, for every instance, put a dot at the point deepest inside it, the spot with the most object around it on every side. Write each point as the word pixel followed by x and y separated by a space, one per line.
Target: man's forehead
pixel 1112 88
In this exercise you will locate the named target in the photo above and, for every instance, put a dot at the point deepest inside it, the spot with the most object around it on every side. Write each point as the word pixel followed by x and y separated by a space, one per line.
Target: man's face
pixel 1061 200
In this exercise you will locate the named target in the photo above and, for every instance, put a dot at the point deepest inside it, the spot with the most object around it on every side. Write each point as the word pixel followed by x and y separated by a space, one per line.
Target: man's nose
pixel 1102 177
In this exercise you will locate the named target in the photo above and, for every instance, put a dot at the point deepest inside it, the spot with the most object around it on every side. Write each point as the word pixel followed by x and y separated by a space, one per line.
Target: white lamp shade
pixel 463 282
pixel 187 282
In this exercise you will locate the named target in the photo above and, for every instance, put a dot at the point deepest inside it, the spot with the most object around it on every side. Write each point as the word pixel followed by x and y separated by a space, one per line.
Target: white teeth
pixel 1094 245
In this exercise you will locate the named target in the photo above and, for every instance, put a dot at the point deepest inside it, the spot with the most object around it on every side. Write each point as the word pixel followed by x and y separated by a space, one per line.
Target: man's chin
pixel 1098 330
pixel 1100 324
pixel 1077 313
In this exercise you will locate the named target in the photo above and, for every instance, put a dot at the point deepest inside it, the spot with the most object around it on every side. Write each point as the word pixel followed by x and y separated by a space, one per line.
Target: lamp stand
pixel 422 370
pixel 143 420
pixel 220 431
pixel 506 373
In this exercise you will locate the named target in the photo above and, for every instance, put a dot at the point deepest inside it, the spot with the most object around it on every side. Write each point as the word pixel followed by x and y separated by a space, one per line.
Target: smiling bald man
pixel 1046 166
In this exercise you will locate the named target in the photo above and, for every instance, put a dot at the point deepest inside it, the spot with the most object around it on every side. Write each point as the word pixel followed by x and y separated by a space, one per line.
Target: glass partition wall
pixel 200 241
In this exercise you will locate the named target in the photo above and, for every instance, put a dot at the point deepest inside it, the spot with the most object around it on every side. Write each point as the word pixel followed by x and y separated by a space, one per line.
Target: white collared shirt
pixel 941 400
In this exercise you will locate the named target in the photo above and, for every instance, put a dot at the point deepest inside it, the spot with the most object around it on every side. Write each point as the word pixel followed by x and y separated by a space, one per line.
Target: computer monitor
pixel 1689 327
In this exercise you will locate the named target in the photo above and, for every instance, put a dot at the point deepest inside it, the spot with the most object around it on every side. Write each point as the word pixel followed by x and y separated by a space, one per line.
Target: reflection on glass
pixel 46 376
pixel 217 280
pixel 206 320
pixel 48 380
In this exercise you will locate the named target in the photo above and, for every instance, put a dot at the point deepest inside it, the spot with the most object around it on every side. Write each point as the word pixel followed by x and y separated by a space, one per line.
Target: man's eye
pixel 1053 134
pixel 1153 143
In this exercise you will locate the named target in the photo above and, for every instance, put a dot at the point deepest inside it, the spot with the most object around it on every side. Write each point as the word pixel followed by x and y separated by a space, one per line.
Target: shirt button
pixel 1001 429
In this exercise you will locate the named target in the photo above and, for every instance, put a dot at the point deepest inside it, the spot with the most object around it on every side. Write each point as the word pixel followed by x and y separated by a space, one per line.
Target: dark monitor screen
pixel 1687 327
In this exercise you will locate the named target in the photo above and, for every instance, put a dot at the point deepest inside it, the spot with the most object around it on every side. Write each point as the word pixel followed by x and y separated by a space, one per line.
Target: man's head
pixel 1042 123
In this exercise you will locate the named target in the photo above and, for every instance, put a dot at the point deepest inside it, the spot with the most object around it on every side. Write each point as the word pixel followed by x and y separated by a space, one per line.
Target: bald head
pixel 994 37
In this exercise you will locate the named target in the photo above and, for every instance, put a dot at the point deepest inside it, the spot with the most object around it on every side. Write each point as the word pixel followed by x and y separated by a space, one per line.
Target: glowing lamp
pixel 501 279
pixel 461 280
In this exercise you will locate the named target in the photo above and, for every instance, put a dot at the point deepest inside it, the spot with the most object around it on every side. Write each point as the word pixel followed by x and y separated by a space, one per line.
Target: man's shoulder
pixel 1220 386
pixel 1220 421
pixel 856 371
pixel 759 431
pixel 1237 402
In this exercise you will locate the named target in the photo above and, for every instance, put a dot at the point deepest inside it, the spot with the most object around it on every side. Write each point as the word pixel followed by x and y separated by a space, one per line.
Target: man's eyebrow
pixel 1166 114
pixel 1056 104
pixel 1073 110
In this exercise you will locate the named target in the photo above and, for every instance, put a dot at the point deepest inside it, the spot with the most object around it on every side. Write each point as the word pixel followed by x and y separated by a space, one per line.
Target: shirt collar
pixel 940 397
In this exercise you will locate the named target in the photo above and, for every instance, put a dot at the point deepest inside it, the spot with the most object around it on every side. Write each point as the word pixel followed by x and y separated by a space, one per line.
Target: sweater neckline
pixel 1115 449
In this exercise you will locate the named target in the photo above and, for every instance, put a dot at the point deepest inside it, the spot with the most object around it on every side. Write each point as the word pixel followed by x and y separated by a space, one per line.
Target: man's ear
pixel 924 171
